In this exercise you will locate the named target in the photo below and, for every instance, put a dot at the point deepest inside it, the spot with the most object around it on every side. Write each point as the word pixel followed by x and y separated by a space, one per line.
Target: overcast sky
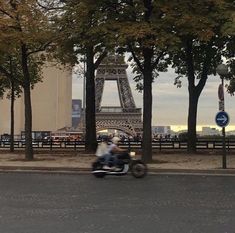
pixel 170 104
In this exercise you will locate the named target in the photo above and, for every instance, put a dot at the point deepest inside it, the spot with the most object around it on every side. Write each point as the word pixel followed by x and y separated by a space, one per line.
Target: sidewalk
pixel 80 162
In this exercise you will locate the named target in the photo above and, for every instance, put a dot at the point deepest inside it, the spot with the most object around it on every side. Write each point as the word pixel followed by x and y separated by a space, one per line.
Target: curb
pixel 202 172
pixel 83 170
pixel 54 170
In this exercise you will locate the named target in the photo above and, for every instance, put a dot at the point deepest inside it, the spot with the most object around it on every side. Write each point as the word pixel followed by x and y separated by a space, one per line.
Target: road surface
pixel 56 203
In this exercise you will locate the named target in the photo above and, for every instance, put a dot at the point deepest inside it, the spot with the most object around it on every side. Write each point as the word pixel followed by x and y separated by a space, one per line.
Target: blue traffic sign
pixel 222 119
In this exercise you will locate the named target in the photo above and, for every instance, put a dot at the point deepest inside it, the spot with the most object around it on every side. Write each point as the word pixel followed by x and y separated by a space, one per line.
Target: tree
pixel 198 25
pixel 88 37
pixel 140 26
pixel 25 30
pixel 9 70
pixel 231 71
pixel 228 29
pixel 12 81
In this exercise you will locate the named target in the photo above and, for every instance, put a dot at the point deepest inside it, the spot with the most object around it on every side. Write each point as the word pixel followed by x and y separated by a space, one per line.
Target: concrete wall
pixel 51 103
pixel 5 116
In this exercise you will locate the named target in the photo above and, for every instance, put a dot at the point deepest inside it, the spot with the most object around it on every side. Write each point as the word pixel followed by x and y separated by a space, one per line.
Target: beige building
pixel 51 103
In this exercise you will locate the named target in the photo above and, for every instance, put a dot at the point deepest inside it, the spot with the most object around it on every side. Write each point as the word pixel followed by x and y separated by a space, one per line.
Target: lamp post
pixel 84 97
pixel 222 70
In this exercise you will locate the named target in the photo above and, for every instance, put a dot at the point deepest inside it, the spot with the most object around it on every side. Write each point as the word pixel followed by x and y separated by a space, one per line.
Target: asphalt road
pixel 53 203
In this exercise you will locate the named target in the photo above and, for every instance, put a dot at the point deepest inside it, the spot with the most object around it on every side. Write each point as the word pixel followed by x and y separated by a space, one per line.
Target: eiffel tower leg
pixel 125 94
pixel 99 88
pixel 126 118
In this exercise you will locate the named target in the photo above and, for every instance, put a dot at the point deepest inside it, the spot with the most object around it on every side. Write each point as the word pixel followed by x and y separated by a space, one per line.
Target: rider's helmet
pixel 115 140
pixel 105 138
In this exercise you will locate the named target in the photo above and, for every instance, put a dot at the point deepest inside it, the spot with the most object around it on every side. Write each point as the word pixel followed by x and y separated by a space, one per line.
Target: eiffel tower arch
pixel 127 117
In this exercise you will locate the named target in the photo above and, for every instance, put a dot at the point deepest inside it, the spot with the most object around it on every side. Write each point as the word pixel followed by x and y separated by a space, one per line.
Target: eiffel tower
pixel 126 118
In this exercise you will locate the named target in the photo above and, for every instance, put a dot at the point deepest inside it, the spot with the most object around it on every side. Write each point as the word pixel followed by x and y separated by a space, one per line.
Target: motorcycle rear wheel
pixel 98 166
pixel 139 170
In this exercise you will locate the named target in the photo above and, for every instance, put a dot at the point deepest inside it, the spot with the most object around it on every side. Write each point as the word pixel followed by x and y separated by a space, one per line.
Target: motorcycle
pixel 125 162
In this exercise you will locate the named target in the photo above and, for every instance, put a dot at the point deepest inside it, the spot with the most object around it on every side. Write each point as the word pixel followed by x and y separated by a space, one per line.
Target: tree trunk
pixel 193 100
pixel 147 107
pixel 28 107
pixel 90 138
pixel 192 121
pixel 195 92
pixel 28 123
pixel 12 115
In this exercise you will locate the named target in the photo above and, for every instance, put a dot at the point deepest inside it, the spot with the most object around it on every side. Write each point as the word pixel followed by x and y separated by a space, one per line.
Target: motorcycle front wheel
pixel 139 169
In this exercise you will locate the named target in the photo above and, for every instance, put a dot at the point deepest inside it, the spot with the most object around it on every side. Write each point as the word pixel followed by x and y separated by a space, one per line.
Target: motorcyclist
pixel 109 152
pixel 115 150
pixel 103 151
pixel 102 148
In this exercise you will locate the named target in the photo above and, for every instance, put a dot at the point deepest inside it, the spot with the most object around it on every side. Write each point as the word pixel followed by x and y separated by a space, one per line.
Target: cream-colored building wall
pixel 51 103
pixel 5 113
pixel 52 100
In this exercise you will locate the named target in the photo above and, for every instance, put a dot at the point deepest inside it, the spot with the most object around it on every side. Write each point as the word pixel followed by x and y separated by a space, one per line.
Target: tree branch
pixel 49 7
pixel 40 49
pixel 6 13
pixel 163 53
pixel 189 62
pixel 205 69
pixel 100 59
pixel 4 72
pixel 135 58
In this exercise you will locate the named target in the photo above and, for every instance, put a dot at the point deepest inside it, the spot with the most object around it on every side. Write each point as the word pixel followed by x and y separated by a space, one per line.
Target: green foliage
pixel 26 24
pixel 208 27
pixel 202 28
pixel 231 65
pixel 83 25
pixel 140 26
pixel 26 31
pixel 2 85
pixel 10 74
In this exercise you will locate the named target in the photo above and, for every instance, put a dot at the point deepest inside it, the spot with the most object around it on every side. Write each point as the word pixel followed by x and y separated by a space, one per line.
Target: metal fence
pixel 131 145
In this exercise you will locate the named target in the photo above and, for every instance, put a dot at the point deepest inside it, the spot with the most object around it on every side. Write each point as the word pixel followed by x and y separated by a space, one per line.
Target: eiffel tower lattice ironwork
pixel 127 117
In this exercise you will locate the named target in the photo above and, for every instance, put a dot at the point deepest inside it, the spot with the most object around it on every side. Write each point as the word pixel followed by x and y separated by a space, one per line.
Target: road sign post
pixel 224 161
pixel 221 92
pixel 222 120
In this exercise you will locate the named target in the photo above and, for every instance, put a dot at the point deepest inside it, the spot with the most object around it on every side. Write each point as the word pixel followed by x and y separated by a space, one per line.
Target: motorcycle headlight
pixel 132 154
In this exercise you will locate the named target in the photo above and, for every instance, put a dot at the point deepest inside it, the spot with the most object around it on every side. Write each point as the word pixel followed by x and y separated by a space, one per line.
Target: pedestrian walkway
pixel 80 162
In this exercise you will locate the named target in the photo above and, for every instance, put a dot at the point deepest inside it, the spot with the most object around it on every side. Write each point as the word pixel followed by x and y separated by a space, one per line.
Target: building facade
pixel 161 130
pixel 207 131
pixel 51 103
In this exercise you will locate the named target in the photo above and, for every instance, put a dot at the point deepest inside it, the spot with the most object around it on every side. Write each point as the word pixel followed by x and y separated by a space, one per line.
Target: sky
pixel 170 104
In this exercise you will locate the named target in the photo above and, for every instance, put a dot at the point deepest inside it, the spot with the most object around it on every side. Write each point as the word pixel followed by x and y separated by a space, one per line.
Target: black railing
pixel 131 145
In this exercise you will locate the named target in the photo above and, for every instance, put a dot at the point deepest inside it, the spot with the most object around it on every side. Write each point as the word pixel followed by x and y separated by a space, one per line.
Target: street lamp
pixel 222 71
pixel 84 97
